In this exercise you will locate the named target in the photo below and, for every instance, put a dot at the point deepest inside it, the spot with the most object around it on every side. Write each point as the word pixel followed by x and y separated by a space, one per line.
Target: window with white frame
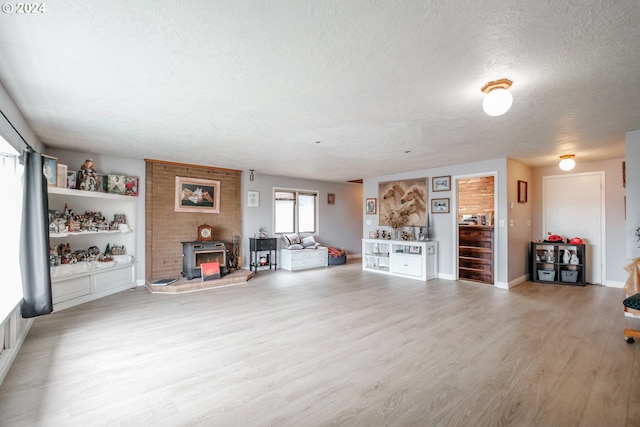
pixel 11 213
pixel 295 211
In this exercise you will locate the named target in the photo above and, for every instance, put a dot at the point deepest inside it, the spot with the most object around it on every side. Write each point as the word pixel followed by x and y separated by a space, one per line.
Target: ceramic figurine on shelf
pixel 88 177
pixel 566 256
pixel 574 258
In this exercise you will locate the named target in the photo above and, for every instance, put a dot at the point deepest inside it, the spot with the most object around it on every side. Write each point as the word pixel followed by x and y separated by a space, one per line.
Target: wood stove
pixel 196 253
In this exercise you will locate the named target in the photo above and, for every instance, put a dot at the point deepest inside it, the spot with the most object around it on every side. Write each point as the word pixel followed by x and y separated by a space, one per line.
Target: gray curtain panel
pixel 34 240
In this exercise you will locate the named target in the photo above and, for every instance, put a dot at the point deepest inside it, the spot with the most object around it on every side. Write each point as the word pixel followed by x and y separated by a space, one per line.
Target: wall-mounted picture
pixel 403 199
pixel 50 169
pixel 371 207
pixel 253 199
pixel 331 199
pixel 441 183
pixel 522 191
pixel 440 206
pixel 197 195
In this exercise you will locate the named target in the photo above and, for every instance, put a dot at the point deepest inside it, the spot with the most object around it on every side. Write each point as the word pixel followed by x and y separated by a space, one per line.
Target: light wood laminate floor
pixel 332 346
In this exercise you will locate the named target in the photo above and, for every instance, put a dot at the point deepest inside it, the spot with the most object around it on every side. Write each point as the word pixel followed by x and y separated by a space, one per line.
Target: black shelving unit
pixel 548 263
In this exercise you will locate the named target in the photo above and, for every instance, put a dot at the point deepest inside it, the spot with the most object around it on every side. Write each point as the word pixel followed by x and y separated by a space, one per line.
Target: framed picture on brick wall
pixel 197 195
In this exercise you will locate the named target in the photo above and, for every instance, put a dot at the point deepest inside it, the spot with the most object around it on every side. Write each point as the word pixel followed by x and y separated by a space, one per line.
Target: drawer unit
pixel 408 264
pixel 475 253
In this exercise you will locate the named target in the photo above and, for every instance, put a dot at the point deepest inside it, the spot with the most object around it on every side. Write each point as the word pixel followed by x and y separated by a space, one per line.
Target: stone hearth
pixel 235 277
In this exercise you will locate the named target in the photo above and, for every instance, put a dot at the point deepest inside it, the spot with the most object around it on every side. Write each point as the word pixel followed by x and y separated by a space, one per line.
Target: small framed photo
pixel 331 199
pixel 50 169
pixel 439 206
pixel 522 191
pixel 441 183
pixel 371 207
pixel 72 177
pixel 415 249
pixel 131 185
pixel 102 183
pixel 253 199
pixel 61 176
pixel 116 184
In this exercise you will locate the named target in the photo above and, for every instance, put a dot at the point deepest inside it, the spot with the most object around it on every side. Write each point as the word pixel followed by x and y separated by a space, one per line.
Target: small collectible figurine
pixel 88 180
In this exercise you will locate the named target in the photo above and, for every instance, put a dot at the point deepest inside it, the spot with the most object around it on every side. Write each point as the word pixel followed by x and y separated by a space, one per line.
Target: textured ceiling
pixel 254 84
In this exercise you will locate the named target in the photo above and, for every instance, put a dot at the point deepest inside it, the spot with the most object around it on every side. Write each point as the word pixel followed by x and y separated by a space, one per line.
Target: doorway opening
pixel 475 222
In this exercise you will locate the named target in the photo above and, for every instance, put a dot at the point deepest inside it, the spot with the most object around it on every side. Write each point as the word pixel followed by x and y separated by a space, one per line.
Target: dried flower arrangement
pixel 396 218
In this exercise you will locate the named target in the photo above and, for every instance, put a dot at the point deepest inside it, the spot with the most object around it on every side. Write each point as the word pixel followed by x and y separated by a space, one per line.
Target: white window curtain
pixel 10 218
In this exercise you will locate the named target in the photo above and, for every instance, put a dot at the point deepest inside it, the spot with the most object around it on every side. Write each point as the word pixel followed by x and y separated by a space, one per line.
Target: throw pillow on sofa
pixel 290 239
pixel 310 243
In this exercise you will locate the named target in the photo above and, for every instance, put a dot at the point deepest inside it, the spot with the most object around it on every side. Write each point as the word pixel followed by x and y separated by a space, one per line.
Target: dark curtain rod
pixel 29 147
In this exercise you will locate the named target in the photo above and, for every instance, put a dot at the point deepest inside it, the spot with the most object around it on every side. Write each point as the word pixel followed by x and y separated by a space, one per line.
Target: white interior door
pixel 572 206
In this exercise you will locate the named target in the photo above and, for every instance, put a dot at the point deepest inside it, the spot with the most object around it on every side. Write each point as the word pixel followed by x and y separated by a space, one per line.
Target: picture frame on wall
pixel 522 191
pixel 371 206
pixel 441 183
pixel 331 199
pixel 197 195
pixel 50 169
pixel 439 206
pixel 253 199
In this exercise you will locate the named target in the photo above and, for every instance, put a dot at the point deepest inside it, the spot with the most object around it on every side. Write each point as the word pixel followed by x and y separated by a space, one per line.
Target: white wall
pixel 633 193
pixel 118 165
pixel 519 221
pixel 340 224
pixel 11 111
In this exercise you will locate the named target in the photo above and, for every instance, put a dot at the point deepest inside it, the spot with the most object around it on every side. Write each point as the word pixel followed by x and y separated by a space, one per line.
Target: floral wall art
pixel 403 203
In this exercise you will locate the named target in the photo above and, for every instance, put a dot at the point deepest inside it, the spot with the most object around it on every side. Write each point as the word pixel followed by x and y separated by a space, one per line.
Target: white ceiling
pixel 254 84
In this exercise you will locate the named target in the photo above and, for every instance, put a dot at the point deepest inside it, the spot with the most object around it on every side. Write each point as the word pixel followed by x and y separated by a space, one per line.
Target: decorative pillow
pixel 295 246
pixel 290 239
pixel 308 241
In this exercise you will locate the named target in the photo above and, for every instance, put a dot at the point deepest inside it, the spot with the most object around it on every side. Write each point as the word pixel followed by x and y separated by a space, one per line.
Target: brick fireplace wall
pixel 166 229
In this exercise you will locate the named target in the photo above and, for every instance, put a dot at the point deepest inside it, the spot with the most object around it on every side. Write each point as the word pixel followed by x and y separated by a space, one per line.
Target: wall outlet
pixel 510 223
pixel 501 223
pixel 368 222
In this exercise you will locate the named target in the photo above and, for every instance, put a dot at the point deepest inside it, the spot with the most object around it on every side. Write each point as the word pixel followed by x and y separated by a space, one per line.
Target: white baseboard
pixel 613 284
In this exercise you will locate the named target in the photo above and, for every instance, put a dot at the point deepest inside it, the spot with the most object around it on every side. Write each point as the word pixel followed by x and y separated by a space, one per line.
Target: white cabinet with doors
pixel 411 259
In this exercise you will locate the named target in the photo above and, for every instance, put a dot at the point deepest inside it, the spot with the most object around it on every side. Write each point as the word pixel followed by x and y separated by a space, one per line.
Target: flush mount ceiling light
pixel 566 162
pixel 498 99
